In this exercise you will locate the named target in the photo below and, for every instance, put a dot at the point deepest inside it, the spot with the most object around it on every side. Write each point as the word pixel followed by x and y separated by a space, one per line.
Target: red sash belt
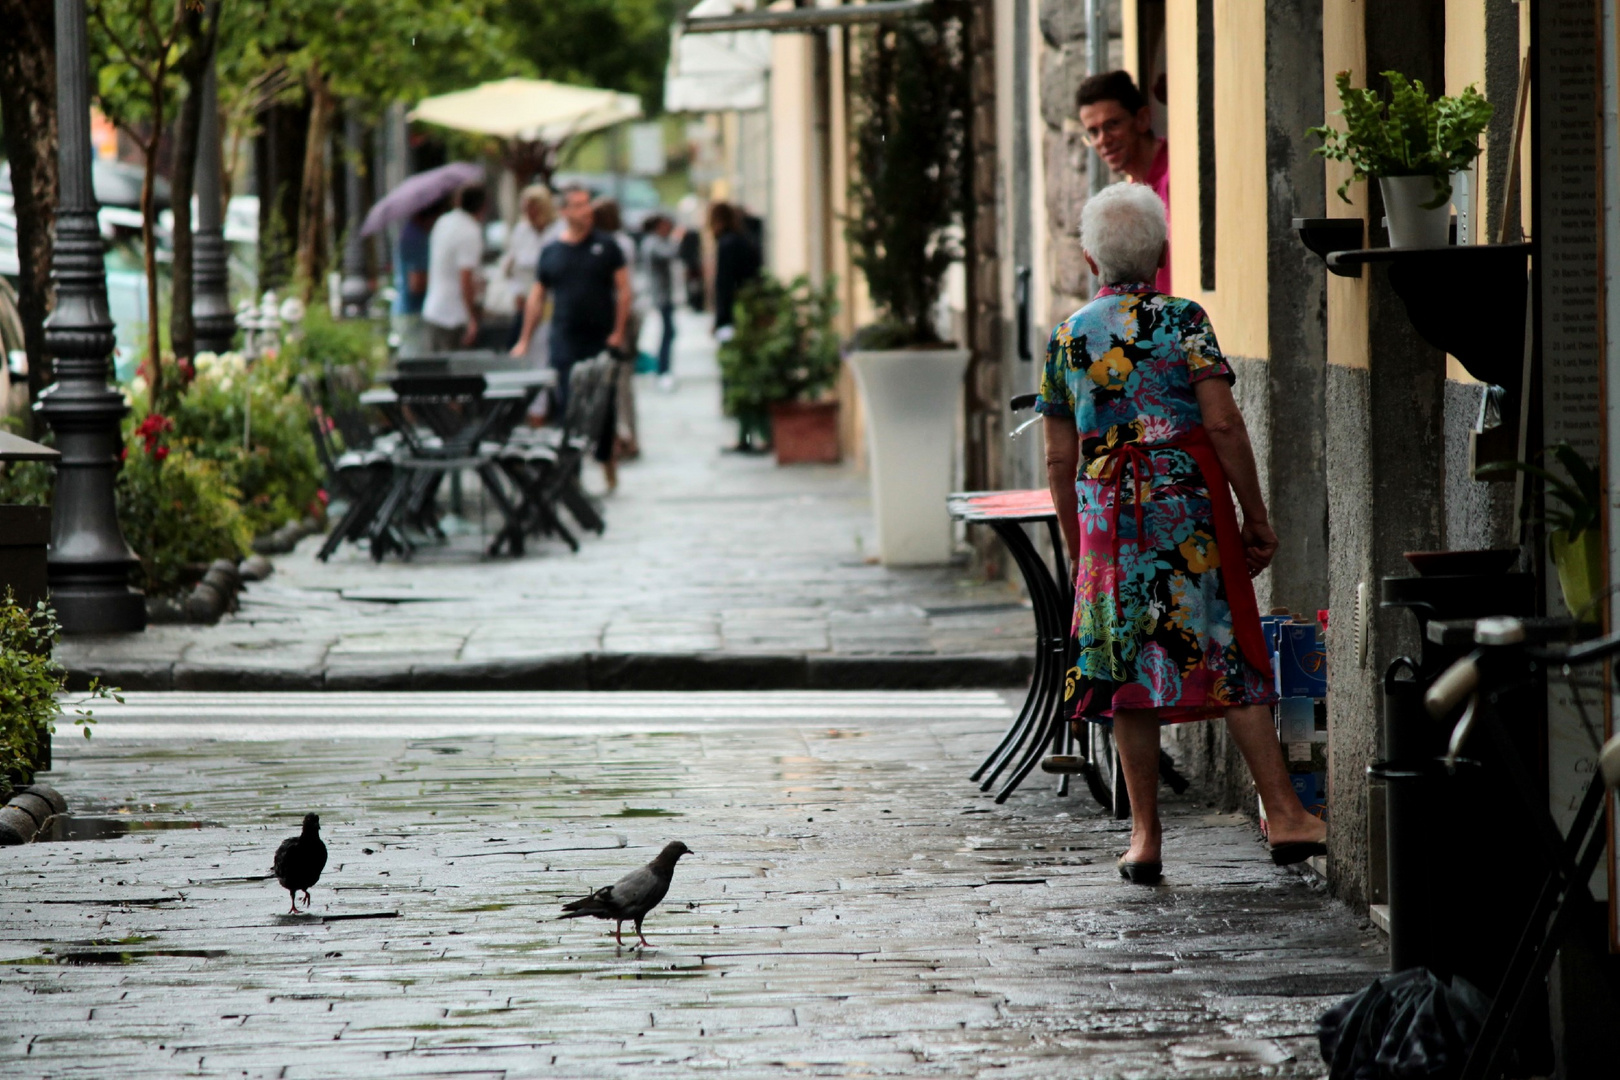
pixel 1129 457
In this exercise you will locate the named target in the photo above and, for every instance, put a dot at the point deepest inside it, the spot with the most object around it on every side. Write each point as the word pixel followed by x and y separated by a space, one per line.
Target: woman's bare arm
pixel 1062 467
pixel 1227 432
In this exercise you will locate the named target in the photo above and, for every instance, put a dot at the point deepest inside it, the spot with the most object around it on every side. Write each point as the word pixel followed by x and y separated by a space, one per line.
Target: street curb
pixel 589 671
pixel 27 812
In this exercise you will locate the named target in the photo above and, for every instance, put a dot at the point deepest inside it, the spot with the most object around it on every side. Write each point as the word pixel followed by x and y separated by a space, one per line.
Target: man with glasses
pixel 1118 124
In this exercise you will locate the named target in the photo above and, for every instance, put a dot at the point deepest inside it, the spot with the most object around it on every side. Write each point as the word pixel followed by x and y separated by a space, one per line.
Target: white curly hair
pixel 1123 229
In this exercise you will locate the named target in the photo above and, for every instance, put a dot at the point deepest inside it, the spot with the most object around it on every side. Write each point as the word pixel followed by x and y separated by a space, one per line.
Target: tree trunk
pixel 28 114
pixel 154 341
pixel 183 176
pixel 311 260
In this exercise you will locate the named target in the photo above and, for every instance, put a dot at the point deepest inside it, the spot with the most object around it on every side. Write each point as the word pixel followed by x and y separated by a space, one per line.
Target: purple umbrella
pixel 420 192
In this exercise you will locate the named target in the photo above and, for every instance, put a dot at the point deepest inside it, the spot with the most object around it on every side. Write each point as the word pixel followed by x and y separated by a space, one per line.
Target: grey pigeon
pixel 632 896
pixel 300 860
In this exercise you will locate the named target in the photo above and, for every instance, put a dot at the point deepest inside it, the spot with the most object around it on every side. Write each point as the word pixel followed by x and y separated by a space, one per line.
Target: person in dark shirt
pixel 736 262
pixel 584 274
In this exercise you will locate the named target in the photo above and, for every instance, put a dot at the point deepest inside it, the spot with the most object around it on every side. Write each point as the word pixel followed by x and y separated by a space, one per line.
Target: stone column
pixel 1385 470
pixel 211 301
pixel 89 562
pixel 355 290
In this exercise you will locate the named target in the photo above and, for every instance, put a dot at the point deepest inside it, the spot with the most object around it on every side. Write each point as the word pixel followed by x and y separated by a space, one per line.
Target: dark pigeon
pixel 300 860
pixel 632 896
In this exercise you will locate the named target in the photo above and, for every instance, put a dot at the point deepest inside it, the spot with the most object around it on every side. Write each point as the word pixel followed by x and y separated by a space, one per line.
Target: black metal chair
pixel 546 464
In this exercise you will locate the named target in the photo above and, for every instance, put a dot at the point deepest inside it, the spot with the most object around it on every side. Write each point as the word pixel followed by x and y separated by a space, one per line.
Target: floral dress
pixel 1153 624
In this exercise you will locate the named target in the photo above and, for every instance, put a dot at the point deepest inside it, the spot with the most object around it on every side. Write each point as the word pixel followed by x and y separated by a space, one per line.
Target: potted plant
pixel 1575 537
pixel 907 194
pixel 781 362
pixel 1412 145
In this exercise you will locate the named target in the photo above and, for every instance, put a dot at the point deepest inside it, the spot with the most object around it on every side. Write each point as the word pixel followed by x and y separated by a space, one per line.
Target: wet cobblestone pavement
pixel 855 907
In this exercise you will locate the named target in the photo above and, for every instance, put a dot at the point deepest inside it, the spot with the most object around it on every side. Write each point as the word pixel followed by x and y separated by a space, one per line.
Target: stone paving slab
pixel 706 553
pixel 856 907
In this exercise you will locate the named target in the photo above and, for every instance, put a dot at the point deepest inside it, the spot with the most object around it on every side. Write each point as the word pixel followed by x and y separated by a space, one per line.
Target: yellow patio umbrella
pixel 529 110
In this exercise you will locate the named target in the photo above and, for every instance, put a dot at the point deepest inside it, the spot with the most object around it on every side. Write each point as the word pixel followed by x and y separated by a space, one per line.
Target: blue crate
pixel 1300 662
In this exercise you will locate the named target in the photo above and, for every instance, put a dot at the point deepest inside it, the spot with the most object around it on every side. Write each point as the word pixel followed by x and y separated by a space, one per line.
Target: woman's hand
pixel 1259 545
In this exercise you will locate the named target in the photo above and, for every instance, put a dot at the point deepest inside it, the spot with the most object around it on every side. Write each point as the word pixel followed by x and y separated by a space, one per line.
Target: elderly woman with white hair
pixel 1145 449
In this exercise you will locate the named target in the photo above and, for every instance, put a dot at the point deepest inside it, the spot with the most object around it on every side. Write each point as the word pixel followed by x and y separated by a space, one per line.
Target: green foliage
pixel 27 483
pixel 1411 135
pixel 30 685
pixel 785 347
pixel 1581 494
pixel 176 509
pixel 617 44
pixel 275 473
pixel 325 342
pixel 910 181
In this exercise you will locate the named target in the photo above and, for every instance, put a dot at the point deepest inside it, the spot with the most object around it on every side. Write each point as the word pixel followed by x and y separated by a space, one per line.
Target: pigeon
pixel 632 896
pixel 299 861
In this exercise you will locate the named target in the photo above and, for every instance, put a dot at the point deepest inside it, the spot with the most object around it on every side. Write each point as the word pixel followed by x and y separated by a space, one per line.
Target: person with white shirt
pixel 455 251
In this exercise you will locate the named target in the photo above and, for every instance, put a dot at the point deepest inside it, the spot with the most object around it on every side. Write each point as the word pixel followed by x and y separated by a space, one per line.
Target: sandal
pixel 1296 852
pixel 1140 873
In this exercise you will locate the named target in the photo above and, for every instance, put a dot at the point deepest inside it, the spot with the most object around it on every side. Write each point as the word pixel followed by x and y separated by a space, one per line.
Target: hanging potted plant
pixel 781 362
pixel 1412 146
pixel 907 195
pixel 1575 529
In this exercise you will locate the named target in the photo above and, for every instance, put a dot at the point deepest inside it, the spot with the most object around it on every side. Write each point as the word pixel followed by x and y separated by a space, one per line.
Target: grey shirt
pixel 659 253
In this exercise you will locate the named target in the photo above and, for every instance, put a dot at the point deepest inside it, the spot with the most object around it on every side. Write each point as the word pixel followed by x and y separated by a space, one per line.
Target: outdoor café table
pixel 1041 725
pixel 465 413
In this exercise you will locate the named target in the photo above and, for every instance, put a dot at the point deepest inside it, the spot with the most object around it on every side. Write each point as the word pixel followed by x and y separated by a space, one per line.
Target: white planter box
pixel 1410 225
pixel 912 397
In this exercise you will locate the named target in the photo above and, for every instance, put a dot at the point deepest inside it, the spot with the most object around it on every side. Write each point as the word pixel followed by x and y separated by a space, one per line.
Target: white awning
pixel 529 109
pixel 717 72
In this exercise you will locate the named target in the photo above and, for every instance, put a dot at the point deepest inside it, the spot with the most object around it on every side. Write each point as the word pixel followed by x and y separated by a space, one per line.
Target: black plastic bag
pixel 1406 1025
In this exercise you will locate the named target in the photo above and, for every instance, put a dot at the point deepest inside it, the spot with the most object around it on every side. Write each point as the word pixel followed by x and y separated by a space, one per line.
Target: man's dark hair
pixel 471 198
pixel 1111 86
pixel 723 218
pixel 569 189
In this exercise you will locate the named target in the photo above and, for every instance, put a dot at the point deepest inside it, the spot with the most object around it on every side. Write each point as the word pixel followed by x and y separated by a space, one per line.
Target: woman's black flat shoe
pixel 1140 873
pixel 1297 852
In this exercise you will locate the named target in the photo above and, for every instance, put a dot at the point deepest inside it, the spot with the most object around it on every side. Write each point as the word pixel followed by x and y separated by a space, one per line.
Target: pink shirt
pixel 1158 178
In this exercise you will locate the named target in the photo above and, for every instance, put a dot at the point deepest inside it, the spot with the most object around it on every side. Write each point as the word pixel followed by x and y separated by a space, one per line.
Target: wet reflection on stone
pixel 911 929
pixel 70 827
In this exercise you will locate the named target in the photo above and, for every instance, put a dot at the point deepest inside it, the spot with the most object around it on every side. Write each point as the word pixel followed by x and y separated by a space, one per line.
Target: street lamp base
pixel 99 610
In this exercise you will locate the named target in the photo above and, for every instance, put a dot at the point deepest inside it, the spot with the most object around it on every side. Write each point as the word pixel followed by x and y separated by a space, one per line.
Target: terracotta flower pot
pixel 805 432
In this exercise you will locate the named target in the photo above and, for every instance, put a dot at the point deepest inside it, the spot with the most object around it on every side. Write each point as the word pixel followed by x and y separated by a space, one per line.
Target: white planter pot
pixel 1410 225
pixel 912 397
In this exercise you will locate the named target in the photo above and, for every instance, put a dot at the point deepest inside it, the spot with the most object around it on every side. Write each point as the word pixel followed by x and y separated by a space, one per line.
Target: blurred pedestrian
pixel 584 275
pixel 689 246
pixel 522 260
pixel 659 254
pixel 618 442
pixel 455 252
pixel 411 276
pixel 736 263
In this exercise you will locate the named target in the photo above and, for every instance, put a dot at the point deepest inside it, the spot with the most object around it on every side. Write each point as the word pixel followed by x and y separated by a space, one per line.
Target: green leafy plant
pixel 785 347
pixel 177 509
pixel 1581 494
pixel 1410 135
pixel 31 686
pixel 275 471
pixel 910 178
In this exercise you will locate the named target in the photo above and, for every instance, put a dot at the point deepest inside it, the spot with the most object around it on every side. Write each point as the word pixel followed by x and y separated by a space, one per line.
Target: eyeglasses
pixel 1108 128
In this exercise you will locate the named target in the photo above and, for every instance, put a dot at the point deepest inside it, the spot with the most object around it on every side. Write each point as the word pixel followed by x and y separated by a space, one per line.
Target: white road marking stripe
pixel 257 717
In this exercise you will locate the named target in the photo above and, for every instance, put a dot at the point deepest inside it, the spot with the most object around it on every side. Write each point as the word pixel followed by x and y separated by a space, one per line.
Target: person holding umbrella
pixel 411 273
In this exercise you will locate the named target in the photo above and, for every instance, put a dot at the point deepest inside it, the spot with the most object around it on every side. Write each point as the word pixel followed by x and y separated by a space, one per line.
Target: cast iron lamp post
pixel 211 302
pixel 89 562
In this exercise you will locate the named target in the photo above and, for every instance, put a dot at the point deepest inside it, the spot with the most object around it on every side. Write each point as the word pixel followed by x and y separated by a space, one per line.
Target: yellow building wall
pixel 1344 48
pixel 1465 66
pixel 1237 304
pixel 792 122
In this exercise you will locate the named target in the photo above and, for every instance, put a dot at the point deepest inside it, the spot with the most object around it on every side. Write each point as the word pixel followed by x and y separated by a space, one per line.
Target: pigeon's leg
pixel 306 899
pixel 642 936
pixel 618 932
pixel 294 894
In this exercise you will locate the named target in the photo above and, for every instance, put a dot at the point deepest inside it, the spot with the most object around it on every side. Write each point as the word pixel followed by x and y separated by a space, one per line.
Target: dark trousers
pixel 666 343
